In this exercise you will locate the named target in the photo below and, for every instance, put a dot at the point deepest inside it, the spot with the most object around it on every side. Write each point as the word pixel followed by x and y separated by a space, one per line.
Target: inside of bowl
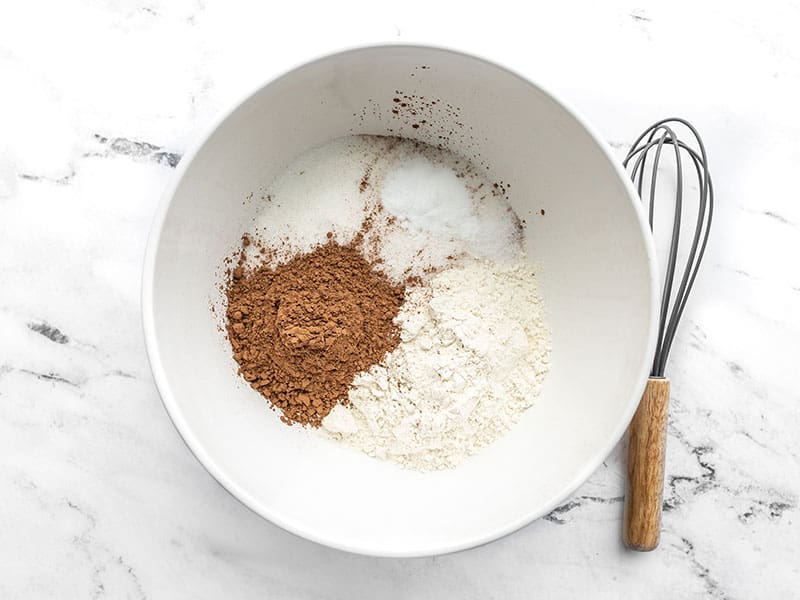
pixel 581 227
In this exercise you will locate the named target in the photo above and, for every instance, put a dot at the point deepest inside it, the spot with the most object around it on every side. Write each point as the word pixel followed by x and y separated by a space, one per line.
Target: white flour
pixel 474 351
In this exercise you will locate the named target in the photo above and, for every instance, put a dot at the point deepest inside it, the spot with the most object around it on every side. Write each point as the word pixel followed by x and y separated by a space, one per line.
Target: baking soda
pixel 443 212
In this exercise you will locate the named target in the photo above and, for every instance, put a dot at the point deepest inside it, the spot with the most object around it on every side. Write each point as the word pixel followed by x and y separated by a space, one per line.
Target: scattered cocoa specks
pixel 364 183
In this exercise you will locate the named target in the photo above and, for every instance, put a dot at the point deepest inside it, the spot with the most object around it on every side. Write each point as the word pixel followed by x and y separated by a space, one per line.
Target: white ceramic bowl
pixel 598 285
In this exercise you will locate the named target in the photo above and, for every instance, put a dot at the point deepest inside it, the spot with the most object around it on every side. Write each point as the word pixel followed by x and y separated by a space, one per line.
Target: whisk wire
pixel 653 140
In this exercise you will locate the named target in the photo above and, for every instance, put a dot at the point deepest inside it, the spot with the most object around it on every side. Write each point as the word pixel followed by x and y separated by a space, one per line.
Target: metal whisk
pixel 647 431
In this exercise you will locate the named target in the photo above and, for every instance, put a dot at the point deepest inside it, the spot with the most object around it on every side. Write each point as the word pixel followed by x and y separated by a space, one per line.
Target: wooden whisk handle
pixel 647 440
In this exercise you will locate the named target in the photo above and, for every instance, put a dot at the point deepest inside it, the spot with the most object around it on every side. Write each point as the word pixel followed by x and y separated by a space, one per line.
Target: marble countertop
pixel 101 498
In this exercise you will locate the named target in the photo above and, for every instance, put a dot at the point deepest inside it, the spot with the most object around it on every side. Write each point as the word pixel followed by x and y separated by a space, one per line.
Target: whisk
pixel 647 431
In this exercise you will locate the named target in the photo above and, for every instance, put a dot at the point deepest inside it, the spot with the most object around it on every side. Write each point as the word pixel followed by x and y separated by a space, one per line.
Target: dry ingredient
pixel 443 209
pixel 384 294
pixel 474 351
pixel 428 207
pixel 301 331
pixel 315 194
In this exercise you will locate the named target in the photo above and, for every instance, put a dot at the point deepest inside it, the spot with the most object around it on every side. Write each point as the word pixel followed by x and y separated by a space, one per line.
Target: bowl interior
pixel 597 284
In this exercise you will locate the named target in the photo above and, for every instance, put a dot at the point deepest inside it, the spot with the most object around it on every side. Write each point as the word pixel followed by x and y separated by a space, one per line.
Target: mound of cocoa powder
pixel 300 332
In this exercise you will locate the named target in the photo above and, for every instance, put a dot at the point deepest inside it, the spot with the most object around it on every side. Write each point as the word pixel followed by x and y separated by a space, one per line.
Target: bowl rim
pixel 195 446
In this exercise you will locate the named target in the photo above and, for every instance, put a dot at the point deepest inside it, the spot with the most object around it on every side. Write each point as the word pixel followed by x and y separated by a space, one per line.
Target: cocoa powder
pixel 301 331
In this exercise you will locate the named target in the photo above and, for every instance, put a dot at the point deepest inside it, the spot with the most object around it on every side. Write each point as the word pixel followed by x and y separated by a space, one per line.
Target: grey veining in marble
pixel 101 499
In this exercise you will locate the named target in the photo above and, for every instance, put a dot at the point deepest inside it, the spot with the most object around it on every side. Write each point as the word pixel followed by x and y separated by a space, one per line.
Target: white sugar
pixel 317 193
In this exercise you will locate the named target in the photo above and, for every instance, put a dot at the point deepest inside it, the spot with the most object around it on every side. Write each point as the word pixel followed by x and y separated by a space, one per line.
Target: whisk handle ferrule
pixel 647 440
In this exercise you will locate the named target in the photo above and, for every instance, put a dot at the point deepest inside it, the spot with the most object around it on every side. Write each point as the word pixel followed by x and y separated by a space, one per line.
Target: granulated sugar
pixel 474 351
pixel 317 193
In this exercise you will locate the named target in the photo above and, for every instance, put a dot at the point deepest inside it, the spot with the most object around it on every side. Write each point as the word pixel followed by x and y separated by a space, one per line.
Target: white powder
pixel 474 351
pixel 428 207
pixel 317 193
pixel 442 209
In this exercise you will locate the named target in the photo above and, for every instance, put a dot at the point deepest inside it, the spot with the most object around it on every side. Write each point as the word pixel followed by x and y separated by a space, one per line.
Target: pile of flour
pixel 474 351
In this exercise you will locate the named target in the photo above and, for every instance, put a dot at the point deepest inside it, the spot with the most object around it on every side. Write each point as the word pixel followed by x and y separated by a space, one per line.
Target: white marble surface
pixel 101 499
